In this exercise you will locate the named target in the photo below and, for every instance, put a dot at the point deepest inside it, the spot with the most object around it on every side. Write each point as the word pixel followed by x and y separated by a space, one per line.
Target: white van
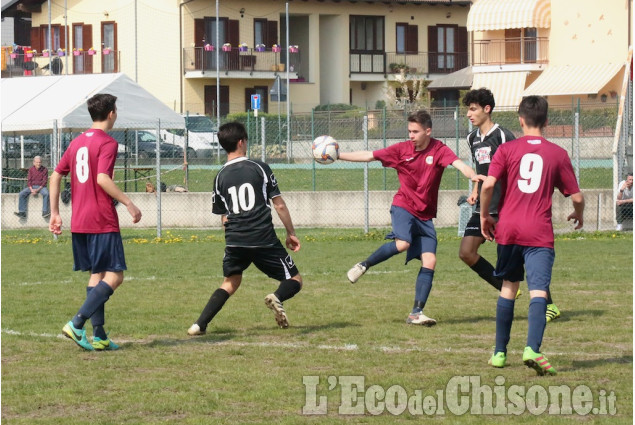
pixel 202 137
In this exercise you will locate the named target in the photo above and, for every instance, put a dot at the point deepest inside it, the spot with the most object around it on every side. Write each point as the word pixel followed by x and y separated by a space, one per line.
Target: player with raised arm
pixel 529 168
pixel 97 246
pixel 483 142
pixel 243 190
pixel 420 162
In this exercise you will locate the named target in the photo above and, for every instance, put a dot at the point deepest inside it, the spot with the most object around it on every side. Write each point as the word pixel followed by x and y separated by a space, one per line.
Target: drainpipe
pixel 181 51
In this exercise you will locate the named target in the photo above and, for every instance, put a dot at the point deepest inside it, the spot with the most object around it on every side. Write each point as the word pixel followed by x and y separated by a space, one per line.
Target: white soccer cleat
pixel 420 319
pixel 356 272
pixel 194 330
pixel 275 305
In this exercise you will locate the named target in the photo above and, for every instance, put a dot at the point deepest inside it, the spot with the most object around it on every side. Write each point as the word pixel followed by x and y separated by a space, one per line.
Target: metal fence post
pixel 576 142
pixel 383 120
pixel 262 138
pixel 313 177
pixel 158 165
pixel 456 135
pixel 366 194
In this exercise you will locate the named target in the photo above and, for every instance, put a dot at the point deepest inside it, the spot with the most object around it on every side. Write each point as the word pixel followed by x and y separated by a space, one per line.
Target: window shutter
pixel 199 32
pixel 461 48
pixel 272 33
pixel 63 36
pixel 412 39
pixel 87 36
pixel 233 27
pixel 433 65
pixel 36 40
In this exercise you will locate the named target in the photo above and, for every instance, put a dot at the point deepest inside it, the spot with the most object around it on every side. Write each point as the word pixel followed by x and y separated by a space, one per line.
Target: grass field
pixel 246 370
pixel 338 179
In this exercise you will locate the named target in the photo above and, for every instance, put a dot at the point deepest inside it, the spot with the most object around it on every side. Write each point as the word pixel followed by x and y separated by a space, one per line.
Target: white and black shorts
pixel 274 261
pixel 473 226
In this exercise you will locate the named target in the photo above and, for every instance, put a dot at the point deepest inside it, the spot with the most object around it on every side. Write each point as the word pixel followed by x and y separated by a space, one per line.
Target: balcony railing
pixel 79 62
pixel 415 63
pixel 247 60
pixel 511 51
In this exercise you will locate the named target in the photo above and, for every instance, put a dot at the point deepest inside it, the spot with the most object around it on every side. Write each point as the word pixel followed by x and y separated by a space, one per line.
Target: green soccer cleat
pixel 77 335
pixel 538 362
pixel 552 312
pixel 104 344
pixel 498 359
pixel 518 293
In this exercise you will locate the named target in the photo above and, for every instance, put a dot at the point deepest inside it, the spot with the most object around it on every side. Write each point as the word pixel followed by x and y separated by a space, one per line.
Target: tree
pixel 408 90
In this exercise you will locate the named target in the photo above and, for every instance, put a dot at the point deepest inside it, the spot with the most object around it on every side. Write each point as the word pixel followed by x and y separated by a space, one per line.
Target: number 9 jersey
pixel 529 168
pixel 91 153
pixel 243 189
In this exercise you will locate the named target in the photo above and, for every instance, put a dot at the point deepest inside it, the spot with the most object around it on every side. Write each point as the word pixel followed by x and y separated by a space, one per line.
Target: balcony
pixel 77 62
pixel 245 62
pixel 416 63
pixel 511 51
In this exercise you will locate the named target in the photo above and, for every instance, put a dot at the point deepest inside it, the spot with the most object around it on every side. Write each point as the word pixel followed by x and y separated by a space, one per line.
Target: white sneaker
pixel 275 305
pixel 356 272
pixel 420 319
pixel 194 330
pixel 619 227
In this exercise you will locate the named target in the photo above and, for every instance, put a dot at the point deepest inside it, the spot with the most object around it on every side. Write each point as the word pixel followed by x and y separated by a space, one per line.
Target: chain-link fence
pixel 342 194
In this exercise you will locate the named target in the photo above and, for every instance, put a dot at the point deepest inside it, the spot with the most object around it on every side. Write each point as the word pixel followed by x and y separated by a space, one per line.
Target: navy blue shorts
pixel 420 234
pixel 513 260
pixel 273 261
pixel 98 252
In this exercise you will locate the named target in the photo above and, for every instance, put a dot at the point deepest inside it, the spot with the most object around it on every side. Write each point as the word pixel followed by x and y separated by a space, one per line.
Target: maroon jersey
pixel 91 153
pixel 419 174
pixel 529 169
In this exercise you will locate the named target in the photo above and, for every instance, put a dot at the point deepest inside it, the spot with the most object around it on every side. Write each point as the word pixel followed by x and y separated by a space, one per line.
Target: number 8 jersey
pixel 243 189
pixel 529 168
pixel 91 153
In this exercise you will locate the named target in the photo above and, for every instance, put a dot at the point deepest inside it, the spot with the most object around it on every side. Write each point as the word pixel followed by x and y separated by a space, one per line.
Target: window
pixel 447 47
pixel 82 36
pixel 407 38
pixel 367 33
pixel 109 40
pixel 40 37
pixel 265 32
pixel 521 45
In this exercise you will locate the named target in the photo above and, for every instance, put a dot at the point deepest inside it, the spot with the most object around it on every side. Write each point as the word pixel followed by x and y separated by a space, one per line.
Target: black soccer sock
pixel 486 271
pixel 214 305
pixel 287 289
pixel 96 298
pixel 98 319
pixel 549 300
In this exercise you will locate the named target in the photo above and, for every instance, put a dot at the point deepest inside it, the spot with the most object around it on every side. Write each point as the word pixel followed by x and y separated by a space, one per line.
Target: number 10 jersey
pixel 243 189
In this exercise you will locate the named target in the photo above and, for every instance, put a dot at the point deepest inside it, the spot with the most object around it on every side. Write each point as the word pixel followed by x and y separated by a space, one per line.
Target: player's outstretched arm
pixel 292 242
pixel 487 222
pixel 467 171
pixel 578 210
pixel 55 223
pixel 109 186
pixel 358 156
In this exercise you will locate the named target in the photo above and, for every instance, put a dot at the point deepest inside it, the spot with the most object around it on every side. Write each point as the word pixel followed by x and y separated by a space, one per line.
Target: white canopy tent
pixel 47 103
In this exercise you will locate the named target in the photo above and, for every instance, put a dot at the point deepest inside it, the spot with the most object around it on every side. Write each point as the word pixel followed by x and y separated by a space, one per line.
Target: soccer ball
pixel 325 149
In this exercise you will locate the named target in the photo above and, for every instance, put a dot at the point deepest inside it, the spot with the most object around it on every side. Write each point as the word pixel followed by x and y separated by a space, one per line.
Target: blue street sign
pixel 255 102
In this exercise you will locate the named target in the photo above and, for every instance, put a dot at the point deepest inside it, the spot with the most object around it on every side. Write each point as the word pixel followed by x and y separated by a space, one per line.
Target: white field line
pixel 342 347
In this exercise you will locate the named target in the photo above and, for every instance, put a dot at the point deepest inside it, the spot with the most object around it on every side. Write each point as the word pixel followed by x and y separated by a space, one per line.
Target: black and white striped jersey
pixel 483 149
pixel 243 189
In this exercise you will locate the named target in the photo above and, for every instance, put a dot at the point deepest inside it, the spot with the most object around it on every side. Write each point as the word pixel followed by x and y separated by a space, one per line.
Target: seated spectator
pixel 37 179
pixel 625 201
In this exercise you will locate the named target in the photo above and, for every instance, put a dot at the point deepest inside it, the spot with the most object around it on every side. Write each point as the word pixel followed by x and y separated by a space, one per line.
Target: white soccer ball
pixel 325 149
